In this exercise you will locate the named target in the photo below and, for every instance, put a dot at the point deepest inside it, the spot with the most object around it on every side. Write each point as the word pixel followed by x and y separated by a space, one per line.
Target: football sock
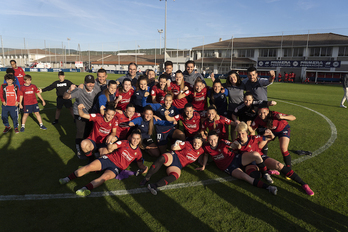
pixel 168 179
pixel 155 166
pixel 253 173
pixel 292 175
pixel 72 176
pixel 265 149
pixel 23 125
pixel 89 186
pixel 287 158
pixel 262 167
pixel 260 184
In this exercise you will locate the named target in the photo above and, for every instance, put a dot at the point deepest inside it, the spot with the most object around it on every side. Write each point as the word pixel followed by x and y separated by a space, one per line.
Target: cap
pixel 89 79
pixel 61 73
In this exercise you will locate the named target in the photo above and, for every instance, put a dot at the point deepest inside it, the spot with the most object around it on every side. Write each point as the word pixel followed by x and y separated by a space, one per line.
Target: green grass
pixel 33 161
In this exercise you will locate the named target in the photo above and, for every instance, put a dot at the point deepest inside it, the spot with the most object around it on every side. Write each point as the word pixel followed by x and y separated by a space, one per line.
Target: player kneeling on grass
pixel 182 154
pixel 113 163
pixel 104 129
pixel 248 143
pixel 232 163
pixel 29 104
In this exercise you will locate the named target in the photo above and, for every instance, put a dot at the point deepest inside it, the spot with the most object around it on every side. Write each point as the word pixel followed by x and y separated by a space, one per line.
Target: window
pixel 343 51
pixel 291 52
pixel 245 52
pixel 268 52
pixel 209 53
pixel 321 51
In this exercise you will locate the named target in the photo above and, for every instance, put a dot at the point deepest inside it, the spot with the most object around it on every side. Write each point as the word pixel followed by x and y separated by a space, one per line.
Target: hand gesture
pixel 81 107
pixel 146 94
pixel 272 73
pixel 166 113
pixel 212 76
pixel 185 88
pixel 72 87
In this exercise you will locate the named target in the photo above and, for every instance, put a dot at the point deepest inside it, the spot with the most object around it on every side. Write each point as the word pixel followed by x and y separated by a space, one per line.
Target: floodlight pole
pixel 160 31
pixel 165 31
pixel 68 44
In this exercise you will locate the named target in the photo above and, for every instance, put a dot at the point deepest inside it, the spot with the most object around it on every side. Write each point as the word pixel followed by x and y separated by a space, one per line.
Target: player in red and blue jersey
pixel 232 163
pixel 251 143
pixel 277 123
pixel 122 153
pixel 190 119
pixel 123 118
pixel 9 95
pixel 104 129
pixel 216 122
pixel 18 72
pixel 160 90
pixel 180 90
pixel 182 154
pixel 29 104
pixel 124 94
pixel 198 95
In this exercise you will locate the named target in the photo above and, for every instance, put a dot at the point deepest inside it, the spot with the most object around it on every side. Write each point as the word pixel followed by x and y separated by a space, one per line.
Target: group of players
pixel 118 120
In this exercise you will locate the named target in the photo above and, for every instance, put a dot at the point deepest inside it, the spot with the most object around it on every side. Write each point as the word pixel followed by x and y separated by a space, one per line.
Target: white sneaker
pixel 273 190
pixel 268 178
pixel 343 106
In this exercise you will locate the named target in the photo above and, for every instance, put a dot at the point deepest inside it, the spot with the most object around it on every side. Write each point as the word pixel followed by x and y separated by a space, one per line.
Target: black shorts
pixel 107 164
pixel 236 163
pixel 162 137
pixel 66 102
pixel 176 162
pixel 147 142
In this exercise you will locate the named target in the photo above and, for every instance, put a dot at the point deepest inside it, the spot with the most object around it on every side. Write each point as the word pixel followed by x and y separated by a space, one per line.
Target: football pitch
pixel 31 198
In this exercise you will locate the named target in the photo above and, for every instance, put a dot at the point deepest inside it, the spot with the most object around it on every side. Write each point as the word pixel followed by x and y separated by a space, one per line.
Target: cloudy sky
pixel 128 24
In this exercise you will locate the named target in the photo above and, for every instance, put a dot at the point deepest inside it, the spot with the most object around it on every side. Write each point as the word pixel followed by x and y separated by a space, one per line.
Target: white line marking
pixel 328 144
pixel 172 186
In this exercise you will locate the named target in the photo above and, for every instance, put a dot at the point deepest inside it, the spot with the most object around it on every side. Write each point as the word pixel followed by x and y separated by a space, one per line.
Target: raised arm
pixel 82 113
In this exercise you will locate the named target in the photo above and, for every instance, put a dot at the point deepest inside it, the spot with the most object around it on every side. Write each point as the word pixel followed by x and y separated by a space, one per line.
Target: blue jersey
pixel 144 125
pixel 219 100
pixel 159 112
pixel 137 99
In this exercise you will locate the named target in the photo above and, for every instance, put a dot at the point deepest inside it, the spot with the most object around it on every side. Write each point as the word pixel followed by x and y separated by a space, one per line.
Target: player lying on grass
pixel 233 163
pixel 104 129
pixel 277 123
pixel 182 154
pixel 112 164
pixel 248 143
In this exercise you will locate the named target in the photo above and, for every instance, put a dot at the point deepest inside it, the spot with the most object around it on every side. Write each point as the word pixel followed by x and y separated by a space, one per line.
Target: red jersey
pixel 126 98
pixel 277 126
pixel 29 94
pixel 101 128
pixel 192 125
pixel 159 93
pixel 179 103
pixel 124 155
pixel 9 94
pixel 218 126
pixel 222 156
pixel 121 132
pixel 19 73
pixel 199 99
pixel 252 144
pixel 188 154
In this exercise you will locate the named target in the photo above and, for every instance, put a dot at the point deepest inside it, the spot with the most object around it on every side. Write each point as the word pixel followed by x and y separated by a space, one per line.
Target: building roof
pixel 320 39
pixel 30 51
pixel 126 59
pixel 225 60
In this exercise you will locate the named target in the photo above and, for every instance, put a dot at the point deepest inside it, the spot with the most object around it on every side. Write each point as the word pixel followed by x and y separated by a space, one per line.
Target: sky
pixel 131 24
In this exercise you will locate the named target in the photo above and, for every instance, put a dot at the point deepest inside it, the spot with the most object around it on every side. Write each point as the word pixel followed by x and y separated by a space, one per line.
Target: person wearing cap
pixel 131 75
pixel 101 80
pixel 61 87
pixel 86 97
